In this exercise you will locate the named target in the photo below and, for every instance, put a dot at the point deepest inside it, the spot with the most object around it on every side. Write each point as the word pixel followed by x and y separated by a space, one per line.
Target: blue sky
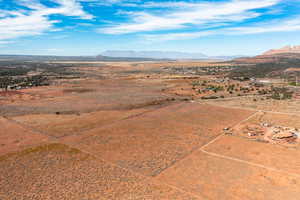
pixel 89 27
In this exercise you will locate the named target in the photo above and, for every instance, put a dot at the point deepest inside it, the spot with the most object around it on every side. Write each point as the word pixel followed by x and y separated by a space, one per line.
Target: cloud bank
pixel 34 18
pixel 151 20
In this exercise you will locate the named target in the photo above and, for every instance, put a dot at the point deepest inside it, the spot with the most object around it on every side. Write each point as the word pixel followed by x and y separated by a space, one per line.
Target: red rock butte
pixel 283 50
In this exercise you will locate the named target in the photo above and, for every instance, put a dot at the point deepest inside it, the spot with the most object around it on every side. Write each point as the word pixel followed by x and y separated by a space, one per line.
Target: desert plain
pixel 139 130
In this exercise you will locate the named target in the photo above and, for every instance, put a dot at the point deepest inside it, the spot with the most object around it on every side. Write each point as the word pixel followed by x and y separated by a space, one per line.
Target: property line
pixel 121 120
pixel 250 163
pixel 31 129
pixel 214 140
pixel 239 160
pixel 202 146
pixel 53 139
pixel 89 129
pixel 194 151
pixel 133 172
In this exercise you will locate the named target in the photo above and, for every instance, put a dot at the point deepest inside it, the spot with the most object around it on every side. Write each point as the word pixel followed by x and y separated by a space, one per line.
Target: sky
pixel 89 27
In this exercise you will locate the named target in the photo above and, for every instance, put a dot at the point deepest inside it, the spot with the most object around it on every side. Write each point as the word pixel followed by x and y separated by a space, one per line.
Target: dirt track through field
pixel 55 140
pixel 201 149
pixel 210 142
pixel 243 161
pixel 250 163
pixel 139 174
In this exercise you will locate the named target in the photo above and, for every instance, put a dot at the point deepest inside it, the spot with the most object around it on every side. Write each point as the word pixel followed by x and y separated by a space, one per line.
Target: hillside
pixel 273 55
pixel 284 50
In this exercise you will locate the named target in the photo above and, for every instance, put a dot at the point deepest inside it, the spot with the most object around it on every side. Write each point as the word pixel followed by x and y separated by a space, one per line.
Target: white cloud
pixel 6 42
pixel 20 23
pixel 284 25
pixel 176 36
pixel 275 26
pixel 183 15
pixel 70 8
pixel 128 3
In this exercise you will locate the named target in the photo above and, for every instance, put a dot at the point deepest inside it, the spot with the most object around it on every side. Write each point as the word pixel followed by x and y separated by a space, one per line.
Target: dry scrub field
pixel 116 137
pixel 287 106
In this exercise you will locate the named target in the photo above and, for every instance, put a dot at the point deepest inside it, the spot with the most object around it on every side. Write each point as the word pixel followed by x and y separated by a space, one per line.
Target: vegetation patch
pixel 78 90
pixel 43 148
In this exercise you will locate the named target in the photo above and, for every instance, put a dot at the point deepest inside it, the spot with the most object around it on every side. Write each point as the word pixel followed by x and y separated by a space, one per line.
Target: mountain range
pixel 71 58
pixel 111 55
pixel 174 55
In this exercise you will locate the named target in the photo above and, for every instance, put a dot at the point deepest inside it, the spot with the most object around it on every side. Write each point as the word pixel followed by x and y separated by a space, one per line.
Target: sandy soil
pixel 64 125
pixel 121 134
pixel 58 172
pixel 288 120
pixel 273 156
pixel 87 96
pixel 218 178
pixel 152 142
pixel 14 137
pixel 287 106
pixel 265 134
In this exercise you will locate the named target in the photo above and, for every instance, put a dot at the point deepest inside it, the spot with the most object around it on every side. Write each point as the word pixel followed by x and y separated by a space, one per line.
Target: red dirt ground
pixel 64 125
pixel 274 156
pixel 58 172
pixel 218 178
pixel 14 137
pixel 156 140
pixel 118 137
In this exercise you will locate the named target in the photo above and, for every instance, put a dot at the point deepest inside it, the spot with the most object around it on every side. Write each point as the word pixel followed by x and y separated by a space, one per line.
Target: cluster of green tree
pixel 262 70
pixel 209 97
pixel 13 71
pixel 209 70
pixel 294 83
pixel 21 68
pixel 13 74
pixel 13 83
pixel 281 93
pixel 230 87
pixel 197 83
pixel 215 88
